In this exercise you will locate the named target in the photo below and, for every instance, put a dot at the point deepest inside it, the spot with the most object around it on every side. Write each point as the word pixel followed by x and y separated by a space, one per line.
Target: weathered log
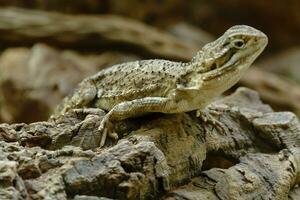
pixel 214 15
pixel 26 27
pixel 282 94
pixel 66 6
pixel 33 81
pixel 285 63
pixel 253 153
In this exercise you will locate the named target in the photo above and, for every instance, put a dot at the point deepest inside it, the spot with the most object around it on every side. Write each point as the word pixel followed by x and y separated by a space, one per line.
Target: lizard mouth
pixel 232 59
pixel 225 61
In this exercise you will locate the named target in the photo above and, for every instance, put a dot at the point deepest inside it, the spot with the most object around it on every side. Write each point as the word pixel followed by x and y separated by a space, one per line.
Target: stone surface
pixel 101 32
pixel 282 94
pixel 285 63
pixel 243 151
pixel 33 81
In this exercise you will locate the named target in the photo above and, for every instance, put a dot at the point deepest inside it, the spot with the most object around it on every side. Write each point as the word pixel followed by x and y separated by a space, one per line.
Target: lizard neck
pixel 201 72
pixel 192 72
pixel 196 65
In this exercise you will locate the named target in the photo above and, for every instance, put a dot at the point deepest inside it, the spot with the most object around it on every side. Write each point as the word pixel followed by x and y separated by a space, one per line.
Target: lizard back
pixel 135 80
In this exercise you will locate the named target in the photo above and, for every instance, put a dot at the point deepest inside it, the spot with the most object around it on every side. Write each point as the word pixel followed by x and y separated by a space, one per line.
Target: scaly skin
pixel 135 88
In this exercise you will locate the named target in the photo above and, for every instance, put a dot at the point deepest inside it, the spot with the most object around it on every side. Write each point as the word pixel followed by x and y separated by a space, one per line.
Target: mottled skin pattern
pixel 139 87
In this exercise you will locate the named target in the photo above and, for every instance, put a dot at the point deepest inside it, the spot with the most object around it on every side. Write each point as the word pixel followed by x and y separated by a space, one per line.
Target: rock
pixel 285 63
pixel 101 32
pixel 243 151
pixel 84 197
pixel 282 94
pixel 33 81
pixel 190 34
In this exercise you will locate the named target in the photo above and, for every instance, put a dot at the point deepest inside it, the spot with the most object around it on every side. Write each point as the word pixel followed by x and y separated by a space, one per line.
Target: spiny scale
pixel 139 75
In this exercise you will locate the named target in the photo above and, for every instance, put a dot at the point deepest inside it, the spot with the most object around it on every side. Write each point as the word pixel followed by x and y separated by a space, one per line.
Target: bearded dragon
pixel 135 88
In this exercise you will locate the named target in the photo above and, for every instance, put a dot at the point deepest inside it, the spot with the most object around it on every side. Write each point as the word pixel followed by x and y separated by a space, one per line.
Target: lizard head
pixel 239 45
pixel 224 60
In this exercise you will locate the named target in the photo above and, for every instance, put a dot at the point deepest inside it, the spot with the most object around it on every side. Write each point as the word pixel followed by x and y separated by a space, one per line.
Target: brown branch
pixel 26 27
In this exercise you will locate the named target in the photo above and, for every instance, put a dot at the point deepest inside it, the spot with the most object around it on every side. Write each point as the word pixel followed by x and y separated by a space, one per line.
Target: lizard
pixel 139 87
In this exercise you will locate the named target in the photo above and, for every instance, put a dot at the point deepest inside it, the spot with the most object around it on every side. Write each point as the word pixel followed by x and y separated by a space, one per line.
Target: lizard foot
pixel 207 117
pixel 106 129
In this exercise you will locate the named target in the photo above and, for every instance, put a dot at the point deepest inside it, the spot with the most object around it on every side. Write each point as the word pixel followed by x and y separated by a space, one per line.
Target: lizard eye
pixel 238 43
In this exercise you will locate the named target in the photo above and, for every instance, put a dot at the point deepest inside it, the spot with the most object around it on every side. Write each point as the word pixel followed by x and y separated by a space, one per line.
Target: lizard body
pixel 134 88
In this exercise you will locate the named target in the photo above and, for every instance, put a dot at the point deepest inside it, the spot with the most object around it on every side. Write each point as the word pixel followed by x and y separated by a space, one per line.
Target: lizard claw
pixel 105 129
pixel 113 135
pixel 103 138
pixel 207 117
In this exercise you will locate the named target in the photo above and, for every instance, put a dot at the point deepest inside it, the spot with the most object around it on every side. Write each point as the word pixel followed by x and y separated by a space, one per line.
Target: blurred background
pixel 47 47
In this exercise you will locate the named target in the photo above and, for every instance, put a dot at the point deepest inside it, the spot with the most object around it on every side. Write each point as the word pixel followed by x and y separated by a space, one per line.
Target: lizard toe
pixel 113 135
pixel 103 138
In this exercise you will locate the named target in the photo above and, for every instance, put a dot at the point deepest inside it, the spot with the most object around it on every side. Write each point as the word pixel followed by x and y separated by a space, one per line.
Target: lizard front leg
pixel 129 109
pixel 82 97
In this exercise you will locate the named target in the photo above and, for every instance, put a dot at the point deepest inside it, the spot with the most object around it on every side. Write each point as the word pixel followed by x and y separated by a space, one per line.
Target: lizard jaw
pixel 232 61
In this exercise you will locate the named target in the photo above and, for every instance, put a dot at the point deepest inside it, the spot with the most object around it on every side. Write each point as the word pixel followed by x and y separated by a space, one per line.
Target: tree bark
pixel 26 27
pixel 243 150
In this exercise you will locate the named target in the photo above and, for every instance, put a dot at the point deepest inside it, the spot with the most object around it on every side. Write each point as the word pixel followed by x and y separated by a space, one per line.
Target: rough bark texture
pixel 26 27
pixel 238 149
